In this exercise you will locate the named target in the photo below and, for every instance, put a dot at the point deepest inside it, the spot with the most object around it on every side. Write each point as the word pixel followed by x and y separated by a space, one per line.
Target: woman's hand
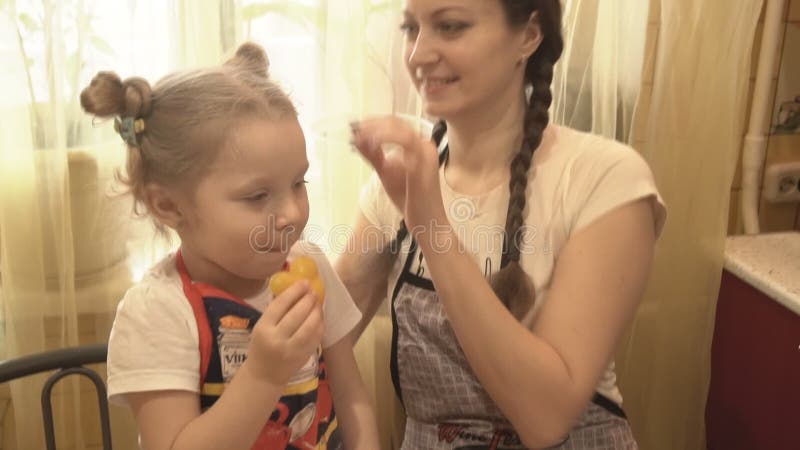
pixel 410 175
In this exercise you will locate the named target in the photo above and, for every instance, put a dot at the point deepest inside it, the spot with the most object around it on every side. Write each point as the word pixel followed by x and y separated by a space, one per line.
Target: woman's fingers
pixel 412 172
pixel 370 135
pixel 369 149
pixel 375 132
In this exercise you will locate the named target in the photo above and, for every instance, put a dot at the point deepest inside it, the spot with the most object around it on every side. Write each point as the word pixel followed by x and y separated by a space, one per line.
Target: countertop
pixel 770 262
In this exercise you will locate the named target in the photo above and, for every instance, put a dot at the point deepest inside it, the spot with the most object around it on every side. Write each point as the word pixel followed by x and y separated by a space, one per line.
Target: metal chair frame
pixel 66 362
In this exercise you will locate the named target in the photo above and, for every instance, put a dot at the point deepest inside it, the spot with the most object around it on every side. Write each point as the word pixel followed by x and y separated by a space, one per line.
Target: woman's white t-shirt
pixel 575 178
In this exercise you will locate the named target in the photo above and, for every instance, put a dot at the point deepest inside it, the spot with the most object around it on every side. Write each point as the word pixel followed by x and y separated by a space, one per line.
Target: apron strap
pixel 609 405
pixel 204 332
pixel 393 366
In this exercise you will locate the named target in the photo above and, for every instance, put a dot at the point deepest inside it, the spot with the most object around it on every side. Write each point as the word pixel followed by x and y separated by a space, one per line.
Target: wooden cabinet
pixel 754 395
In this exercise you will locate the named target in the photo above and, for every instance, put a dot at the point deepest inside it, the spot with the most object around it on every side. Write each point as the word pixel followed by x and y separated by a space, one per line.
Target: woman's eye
pixel 409 28
pixel 300 183
pixel 452 27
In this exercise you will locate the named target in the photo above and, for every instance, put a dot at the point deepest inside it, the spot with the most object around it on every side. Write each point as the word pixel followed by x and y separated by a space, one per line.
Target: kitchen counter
pixel 769 262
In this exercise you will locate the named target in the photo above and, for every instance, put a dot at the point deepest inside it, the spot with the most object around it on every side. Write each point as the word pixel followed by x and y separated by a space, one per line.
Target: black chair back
pixel 65 362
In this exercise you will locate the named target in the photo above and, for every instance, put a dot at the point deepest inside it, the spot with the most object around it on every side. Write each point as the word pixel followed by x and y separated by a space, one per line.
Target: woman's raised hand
pixel 409 175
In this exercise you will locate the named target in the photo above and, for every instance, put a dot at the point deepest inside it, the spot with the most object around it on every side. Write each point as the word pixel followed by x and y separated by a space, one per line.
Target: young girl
pixel 524 247
pixel 202 351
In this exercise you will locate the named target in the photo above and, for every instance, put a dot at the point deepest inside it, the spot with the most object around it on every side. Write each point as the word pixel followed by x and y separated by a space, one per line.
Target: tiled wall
pixel 773 216
pixel 780 148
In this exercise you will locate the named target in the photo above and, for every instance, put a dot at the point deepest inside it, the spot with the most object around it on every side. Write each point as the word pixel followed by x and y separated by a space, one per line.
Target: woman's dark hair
pixel 511 284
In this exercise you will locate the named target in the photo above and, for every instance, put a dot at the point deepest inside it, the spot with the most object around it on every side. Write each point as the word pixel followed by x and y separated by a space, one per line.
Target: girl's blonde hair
pixel 183 121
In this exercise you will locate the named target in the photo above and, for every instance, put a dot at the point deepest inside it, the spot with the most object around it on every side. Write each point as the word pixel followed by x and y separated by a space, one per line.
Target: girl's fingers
pixel 284 302
pixel 310 331
pixel 297 315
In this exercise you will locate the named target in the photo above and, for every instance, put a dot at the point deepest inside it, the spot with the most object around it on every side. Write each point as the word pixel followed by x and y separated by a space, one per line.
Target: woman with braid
pixel 514 252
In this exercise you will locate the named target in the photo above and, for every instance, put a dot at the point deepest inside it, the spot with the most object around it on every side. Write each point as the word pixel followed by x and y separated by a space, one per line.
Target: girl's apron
pixel 304 417
pixel 446 406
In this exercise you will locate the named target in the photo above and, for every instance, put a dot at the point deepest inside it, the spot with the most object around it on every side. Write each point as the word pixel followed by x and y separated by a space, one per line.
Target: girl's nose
pixel 289 214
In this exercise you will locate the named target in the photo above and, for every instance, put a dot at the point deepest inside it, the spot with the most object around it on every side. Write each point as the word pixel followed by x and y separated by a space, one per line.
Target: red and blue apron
pixel 304 417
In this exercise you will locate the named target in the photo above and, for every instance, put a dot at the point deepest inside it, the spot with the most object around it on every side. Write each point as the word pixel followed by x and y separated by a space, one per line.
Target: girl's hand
pixel 286 335
pixel 410 176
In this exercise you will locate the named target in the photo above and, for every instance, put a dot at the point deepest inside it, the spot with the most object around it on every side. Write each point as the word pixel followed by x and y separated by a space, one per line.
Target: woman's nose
pixel 422 51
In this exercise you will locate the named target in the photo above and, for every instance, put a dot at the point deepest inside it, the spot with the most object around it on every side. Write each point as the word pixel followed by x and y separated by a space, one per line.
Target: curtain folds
pixel 69 247
pixel 693 138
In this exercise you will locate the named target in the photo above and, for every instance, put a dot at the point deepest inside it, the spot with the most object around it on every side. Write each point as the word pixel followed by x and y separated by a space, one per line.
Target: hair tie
pixel 128 128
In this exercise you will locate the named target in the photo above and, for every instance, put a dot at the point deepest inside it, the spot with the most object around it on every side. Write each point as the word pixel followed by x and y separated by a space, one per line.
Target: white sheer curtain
pixel 694 132
pixel 339 60
pixel 597 81
pixel 68 249
pixel 68 245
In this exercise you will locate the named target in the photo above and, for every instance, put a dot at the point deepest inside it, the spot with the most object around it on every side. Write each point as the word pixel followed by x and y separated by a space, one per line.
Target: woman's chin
pixel 438 110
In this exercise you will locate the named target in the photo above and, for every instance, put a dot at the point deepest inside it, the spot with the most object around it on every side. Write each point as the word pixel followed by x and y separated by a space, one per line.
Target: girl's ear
pixel 165 205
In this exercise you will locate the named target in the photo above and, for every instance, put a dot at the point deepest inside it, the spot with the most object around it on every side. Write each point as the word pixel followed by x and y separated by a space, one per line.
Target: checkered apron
pixel 446 406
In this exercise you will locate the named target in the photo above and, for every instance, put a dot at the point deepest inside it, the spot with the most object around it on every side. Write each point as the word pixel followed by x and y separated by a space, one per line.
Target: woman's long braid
pixel 511 284
pixel 438 132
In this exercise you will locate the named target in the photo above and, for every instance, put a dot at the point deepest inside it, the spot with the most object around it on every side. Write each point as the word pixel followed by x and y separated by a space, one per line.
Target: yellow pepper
pixel 301 268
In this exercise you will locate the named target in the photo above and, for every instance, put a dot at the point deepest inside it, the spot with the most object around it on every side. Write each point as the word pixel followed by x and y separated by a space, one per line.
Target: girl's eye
pixel 300 183
pixel 257 197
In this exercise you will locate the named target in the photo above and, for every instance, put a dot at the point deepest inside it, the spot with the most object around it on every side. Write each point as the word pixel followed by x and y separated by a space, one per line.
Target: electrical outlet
pixel 782 182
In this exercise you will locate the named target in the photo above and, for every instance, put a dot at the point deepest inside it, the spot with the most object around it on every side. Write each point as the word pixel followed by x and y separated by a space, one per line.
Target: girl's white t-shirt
pixel 154 343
